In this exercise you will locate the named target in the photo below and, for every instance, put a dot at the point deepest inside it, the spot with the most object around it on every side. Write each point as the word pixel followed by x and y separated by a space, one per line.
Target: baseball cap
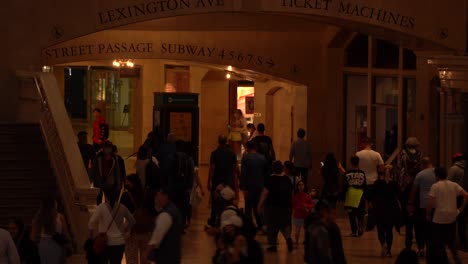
pixel 228 194
pixel 458 156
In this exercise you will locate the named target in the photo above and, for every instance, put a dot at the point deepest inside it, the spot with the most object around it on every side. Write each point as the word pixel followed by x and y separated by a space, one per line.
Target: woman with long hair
pixel 238 132
pixel 384 201
pixel 50 230
pixel 331 173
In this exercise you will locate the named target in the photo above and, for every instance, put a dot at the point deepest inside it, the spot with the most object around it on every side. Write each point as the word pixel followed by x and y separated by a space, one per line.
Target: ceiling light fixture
pixel 123 63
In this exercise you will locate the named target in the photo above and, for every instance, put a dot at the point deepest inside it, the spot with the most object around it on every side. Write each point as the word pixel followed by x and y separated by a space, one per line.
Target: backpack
pixel 104 127
pixel 248 228
pixel 184 172
pixel 152 176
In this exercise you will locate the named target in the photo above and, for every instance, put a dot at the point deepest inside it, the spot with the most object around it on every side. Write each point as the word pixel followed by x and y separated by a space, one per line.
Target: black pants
pixel 410 226
pixel 111 255
pixel 385 235
pixel 422 229
pixel 442 235
pixel 182 201
pixel 252 199
pixel 356 219
pixel 278 219
pixel 304 173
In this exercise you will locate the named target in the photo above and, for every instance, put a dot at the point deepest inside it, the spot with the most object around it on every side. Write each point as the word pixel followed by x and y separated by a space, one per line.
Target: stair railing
pixel 64 155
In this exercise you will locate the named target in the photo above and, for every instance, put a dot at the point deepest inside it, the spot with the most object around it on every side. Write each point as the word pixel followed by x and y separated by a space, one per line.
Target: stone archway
pixel 284 106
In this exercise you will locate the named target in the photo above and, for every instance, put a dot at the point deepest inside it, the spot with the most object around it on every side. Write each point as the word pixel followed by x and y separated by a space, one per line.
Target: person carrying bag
pixel 109 245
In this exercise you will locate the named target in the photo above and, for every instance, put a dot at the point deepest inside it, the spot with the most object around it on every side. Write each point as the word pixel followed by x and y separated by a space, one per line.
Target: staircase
pixel 26 175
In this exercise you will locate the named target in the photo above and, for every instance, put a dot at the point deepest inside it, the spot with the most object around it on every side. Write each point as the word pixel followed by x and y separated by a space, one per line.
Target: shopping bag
pixel 353 197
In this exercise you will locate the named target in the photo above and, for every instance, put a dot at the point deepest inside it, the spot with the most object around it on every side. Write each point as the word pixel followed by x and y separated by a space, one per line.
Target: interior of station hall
pixel 342 70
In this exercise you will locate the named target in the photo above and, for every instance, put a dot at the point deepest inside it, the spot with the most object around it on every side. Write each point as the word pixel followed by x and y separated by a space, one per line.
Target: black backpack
pixel 152 176
pixel 248 228
pixel 104 127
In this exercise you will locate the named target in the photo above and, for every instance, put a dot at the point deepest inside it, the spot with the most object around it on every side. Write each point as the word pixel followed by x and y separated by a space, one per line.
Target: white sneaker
pixel 383 251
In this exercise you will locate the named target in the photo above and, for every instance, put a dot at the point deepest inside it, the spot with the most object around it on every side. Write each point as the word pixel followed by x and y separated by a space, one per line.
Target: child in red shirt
pixel 302 204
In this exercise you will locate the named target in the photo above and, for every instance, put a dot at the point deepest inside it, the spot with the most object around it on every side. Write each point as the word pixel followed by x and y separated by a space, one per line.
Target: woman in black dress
pixel 386 209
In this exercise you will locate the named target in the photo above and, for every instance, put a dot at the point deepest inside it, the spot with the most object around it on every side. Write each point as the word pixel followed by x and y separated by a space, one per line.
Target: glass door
pixel 105 95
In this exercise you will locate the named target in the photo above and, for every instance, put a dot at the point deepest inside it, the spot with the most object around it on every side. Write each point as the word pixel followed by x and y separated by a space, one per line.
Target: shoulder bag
pixel 100 242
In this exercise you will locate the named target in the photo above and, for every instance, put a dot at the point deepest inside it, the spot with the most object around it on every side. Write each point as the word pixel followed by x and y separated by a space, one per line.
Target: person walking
pixel 50 230
pixel 331 173
pixel 443 199
pixel 422 185
pixel 323 242
pixel 100 130
pixel 408 166
pixel 369 161
pixel 8 252
pixel 137 202
pixel 223 168
pixel 166 241
pixel 302 205
pixel 456 173
pixel 384 201
pixel 301 155
pixel 276 200
pixel 113 220
pixel 355 188
pixel 253 172
pixel 105 172
pixel 264 145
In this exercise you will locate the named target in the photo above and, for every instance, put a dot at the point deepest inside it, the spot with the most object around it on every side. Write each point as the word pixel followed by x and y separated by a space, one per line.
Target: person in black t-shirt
pixel 277 201
pixel 356 178
pixel 264 144
pixel 223 166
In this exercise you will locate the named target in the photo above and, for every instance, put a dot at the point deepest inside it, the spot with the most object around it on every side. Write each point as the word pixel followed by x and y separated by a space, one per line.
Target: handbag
pixel 100 242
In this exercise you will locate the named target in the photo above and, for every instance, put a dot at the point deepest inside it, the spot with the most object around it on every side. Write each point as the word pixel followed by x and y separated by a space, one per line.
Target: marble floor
pixel 198 247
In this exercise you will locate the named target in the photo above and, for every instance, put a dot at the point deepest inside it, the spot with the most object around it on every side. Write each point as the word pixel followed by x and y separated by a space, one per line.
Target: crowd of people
pixel 144 215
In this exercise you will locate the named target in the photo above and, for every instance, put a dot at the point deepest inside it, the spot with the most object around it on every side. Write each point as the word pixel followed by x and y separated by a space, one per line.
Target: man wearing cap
pixel 409 165
pixel 87 151
pixel 456 174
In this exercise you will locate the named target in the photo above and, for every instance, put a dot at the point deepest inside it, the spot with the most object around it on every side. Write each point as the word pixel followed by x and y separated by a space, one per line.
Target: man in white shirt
pixel 165 243
pixel 369 161
pixel 443 198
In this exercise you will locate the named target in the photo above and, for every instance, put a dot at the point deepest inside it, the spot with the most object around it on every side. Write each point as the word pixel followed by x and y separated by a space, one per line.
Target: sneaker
pixel 388 254
pixel 272 249
pixel 290 245
pixel 383 251
pixel 353 235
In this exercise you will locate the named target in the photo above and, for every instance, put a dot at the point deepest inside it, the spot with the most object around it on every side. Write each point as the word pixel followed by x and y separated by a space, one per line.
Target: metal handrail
pixel 56 150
